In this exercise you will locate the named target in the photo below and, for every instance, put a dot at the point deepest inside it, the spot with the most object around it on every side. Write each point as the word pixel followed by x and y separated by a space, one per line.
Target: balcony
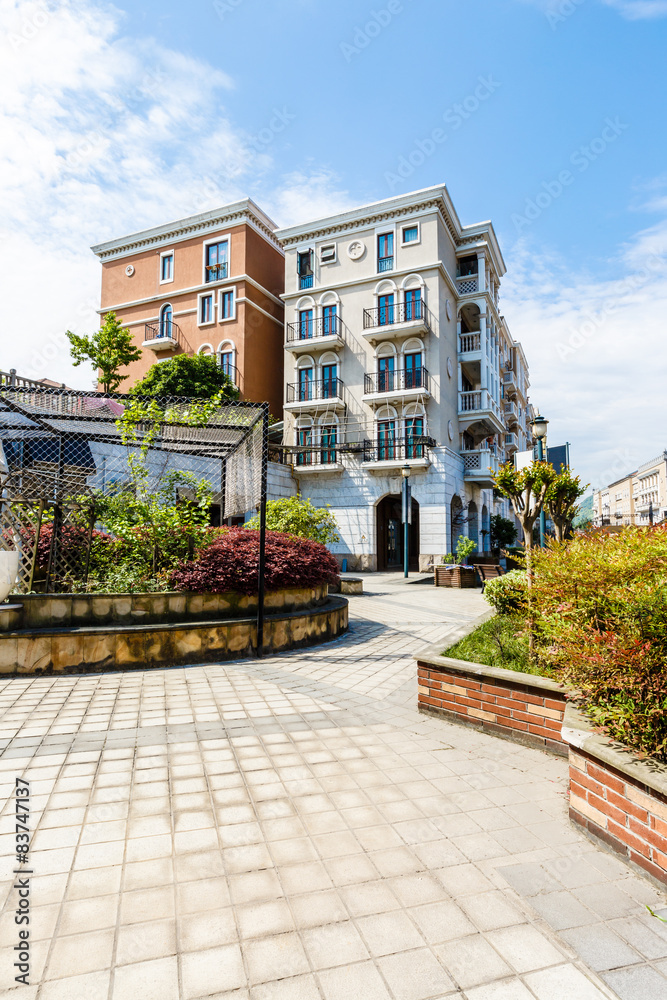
pixel 216 272
pixel 467 284
pixel 304 335
pixel 322 459
pixel 470 346
pixel 479 407
pixel 511 412
pixel 510 381
pixel 165 336
pixel 385 264
pixel 511 442
pixel 386 455
pixel 320 394
pixel 383 386
pixel 401 319
pixel 305 281
pixel 479 466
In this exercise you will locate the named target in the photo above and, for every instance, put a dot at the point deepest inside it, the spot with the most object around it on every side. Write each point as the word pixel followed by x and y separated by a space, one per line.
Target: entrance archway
pixel 456 521
pixel 390 534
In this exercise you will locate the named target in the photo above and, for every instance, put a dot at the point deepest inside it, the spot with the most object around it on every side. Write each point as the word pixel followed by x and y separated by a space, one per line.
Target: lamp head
pixel 539 425
pixel 405 471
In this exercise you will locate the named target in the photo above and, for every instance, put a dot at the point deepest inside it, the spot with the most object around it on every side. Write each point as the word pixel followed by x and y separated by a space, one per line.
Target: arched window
pixel 206 349
pixel 413 364
pixel 473 523
pixel 415 429
pixel 413 298
pixel 227 359
pixel 304 439
pixel 166 320
pixel 457 520
pixel 385 294
pixel 385 430
pixel 386 367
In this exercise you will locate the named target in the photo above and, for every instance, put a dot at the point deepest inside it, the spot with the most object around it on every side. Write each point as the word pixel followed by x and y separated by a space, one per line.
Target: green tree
pixel 296 516
pixel 503 532
pixel 562 501
pixel 195 376
pixel 110 349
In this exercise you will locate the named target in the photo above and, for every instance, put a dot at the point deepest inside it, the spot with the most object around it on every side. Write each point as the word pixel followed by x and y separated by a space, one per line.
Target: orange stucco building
pixel 208 284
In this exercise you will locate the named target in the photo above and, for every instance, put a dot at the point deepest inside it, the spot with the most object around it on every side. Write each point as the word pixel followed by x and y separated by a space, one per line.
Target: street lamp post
pixel 539 426
pixel 407 518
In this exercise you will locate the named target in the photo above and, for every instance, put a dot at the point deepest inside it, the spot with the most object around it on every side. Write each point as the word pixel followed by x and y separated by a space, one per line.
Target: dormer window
pixel 305 268
pixel 411 234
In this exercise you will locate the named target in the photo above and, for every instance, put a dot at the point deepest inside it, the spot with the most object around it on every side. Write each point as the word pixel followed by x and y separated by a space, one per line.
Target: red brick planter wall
pixel 618 800
pixel 518 706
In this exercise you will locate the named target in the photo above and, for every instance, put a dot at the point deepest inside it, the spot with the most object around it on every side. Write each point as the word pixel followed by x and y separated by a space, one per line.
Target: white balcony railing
pixel 467 284
pixel 481 461
pixel 469 342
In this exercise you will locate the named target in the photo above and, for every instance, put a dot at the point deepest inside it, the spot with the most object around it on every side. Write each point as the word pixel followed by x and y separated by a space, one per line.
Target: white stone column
pixel 481 272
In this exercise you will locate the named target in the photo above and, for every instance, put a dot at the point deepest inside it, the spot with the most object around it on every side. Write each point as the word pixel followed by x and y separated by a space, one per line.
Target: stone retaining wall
pixel 617 799
pixel 522 707
pixel 109 647
pixel 41 611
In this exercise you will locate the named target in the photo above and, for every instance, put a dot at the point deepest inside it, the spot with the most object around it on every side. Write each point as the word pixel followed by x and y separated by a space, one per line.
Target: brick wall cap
pixel 578 732
pixel 432 657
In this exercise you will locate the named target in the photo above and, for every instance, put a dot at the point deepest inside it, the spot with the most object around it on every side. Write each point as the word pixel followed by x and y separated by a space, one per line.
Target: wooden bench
pixel 488 571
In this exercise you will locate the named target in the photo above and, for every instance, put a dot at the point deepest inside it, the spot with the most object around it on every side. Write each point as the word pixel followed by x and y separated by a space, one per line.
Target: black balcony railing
pixel 398 449
pixel 402 312
pixel 385 264
pixel 323 388
pixel 310 329
pixel 163 330
pixel 216 272
pixel 305 281
pixel 416 378
pixel 324 455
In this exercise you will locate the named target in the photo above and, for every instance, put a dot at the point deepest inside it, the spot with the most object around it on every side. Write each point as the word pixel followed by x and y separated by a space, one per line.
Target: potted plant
pixel 452 572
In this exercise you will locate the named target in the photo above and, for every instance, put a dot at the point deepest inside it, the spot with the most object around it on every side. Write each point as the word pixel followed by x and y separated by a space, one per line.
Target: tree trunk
pixel 528 533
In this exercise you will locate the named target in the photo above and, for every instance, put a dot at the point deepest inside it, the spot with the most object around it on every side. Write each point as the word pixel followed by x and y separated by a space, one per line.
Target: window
pixel 305 324
pixel 413 371
pixel 305 384
pixel 385 310
pixel 329 381
pixel 227 364
pixel 305 268
pixel 413 304
pixel 216 261
pixel 410 234
pixel 386 252
pixel 166 321
pixel 328 254
pixel 386 367
pixel 386 440
pixel 227 305
pixel 304 440
pixel 205 309
pixel 328 441
pixel 166 267
pixel 329 321
pixel 414 431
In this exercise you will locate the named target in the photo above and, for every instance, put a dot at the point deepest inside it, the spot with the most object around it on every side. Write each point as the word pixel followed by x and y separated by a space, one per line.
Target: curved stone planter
pixel 213 633
pixel 617 799
pixel 80 610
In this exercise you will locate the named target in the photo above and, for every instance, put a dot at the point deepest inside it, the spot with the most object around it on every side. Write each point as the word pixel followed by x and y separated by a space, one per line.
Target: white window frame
pixel 203 295
pixel 222 238
pixel 167 253
pixel 221 292
pixel 331 260
pixel 411 225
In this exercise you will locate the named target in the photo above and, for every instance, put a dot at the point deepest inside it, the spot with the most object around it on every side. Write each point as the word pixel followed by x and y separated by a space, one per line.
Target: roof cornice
pixel 238 213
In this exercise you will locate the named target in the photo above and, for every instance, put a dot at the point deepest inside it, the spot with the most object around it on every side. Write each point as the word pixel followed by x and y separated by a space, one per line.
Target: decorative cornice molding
pixel 240 213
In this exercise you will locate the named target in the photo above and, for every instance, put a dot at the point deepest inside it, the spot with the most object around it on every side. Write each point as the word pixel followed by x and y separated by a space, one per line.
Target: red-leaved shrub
pixel 231 562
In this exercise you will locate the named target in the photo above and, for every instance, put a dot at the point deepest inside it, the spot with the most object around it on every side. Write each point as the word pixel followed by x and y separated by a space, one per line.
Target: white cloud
pixel 632 10
pixel 594 349
pixel 104 135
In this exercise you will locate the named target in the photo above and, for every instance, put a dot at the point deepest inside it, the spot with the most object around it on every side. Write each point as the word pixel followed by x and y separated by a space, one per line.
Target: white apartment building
pixel 396 355
pixel 640 497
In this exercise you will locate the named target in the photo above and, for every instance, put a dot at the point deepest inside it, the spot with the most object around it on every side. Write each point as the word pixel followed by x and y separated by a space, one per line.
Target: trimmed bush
pixel 231 562
pixel 507 594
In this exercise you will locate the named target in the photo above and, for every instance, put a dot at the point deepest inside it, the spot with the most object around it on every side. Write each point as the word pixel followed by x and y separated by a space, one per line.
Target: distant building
pixel 640 497
pixel 208 284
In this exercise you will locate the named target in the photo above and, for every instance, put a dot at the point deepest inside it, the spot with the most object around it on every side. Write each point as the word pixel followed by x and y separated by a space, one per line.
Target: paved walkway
pixel 292 829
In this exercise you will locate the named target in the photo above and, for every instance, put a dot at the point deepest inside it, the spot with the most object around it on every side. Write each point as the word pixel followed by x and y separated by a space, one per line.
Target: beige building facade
pixel 638 498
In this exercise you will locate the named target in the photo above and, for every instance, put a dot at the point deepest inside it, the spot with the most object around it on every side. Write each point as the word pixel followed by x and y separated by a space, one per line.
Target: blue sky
pixel 549 117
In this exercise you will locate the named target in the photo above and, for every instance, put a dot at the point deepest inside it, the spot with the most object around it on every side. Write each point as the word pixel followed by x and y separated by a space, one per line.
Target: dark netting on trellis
pixel 61 449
